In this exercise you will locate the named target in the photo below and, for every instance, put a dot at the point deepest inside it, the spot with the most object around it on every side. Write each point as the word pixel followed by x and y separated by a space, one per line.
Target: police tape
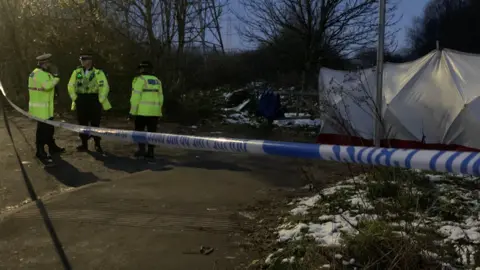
pixel 440 161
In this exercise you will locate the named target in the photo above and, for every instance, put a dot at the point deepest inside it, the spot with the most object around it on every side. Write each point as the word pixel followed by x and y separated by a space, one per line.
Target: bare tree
pixel 342 26
pixel 216 11
pixel 453 23
pixel 346 25
pixel 120 32
pixel 202 17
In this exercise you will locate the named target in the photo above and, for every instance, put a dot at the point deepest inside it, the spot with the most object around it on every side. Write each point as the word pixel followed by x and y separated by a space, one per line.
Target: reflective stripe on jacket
pixel 95 82
pixel 41 85
pixel 147 96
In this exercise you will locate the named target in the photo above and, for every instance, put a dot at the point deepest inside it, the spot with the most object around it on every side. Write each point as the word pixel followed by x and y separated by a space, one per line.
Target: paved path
pixel 149 220
pixel 120 213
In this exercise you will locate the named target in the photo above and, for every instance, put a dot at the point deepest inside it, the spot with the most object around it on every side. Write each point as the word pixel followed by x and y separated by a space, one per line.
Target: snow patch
pixel 294 233
pixel 298 122
pixel 304 204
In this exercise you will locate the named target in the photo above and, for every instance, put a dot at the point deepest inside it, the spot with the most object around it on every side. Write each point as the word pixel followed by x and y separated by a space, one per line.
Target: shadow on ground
pixel 130 164
pixel 190 159
pixel 212 165
pixel 70 176
pixel 210 161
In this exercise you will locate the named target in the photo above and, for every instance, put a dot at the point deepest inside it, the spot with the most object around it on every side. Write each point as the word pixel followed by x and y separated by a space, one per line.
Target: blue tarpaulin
pixel 269 105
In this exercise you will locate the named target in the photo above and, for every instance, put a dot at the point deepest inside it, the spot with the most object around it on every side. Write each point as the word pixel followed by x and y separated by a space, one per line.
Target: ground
pixel 120 213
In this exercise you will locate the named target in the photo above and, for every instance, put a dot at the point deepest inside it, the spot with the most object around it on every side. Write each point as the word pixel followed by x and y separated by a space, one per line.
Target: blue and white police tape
pixel 440 161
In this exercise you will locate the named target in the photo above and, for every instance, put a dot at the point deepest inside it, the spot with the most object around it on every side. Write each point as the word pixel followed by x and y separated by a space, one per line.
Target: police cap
pixel 86 54
pixel 44 57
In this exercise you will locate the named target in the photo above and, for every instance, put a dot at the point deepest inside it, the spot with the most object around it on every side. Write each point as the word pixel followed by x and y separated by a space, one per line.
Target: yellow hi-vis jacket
pixel 147 96
pixel 41 86
pixel 94 83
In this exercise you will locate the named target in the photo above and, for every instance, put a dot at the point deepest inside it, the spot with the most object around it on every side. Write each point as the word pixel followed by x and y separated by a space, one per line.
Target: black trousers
pixel 146 122
pixel 44 134
pixel 89 113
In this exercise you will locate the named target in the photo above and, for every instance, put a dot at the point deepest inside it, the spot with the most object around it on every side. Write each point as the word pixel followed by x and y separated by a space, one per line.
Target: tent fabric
pixel 434 99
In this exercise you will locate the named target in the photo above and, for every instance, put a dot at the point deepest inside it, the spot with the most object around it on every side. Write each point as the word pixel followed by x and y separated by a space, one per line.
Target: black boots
pixel 99 149
pixel 43 156
pixel 84 147
pixel 53 148
pixel 141 151
pixel 149 155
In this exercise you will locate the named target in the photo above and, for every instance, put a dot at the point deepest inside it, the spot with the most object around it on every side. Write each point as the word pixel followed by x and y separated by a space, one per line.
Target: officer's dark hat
pixel 145 64
pixel 86 54
pixel 44 58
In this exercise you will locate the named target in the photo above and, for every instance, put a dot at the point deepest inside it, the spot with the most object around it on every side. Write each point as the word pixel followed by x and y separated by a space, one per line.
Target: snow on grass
pixel 440 208
pixel 300 120
pixel 241 118
pixel 244 118
pixel 291 233
pixel 297 122
pixel 304 204
pixel 270 257
pixel 294 115
pixel 328 232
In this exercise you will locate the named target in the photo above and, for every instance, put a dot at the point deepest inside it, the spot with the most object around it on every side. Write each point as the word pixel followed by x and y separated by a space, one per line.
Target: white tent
pixel 434 98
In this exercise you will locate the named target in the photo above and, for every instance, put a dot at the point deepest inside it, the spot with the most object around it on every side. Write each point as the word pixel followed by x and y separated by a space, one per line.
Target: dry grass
pixel 404 211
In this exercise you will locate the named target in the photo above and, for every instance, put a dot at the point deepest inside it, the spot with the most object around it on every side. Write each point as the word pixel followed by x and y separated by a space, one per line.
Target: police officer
pixel 41 88
pixel 146 104
pixel 88 88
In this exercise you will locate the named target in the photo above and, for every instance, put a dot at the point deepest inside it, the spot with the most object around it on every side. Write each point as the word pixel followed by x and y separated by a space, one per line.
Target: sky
pixel 409 9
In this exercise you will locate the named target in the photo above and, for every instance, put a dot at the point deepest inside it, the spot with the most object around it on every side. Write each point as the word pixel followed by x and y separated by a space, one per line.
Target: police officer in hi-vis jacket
pixel 88 88
pixel 41 90
pixel 146 104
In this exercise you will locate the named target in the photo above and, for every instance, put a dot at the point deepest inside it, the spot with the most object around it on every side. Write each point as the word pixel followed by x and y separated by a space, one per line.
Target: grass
pixel 386 219
pixel 377 245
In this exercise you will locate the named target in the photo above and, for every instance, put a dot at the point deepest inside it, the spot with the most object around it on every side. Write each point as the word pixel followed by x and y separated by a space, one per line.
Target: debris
pixel 206 250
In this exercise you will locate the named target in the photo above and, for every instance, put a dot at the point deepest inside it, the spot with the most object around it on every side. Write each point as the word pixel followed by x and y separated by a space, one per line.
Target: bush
pixel 191 108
